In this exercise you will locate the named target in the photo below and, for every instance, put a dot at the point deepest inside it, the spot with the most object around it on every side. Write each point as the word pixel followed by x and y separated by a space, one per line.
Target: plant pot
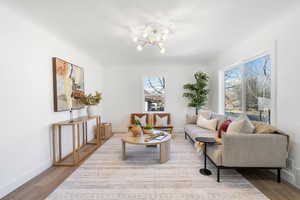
pixel 136 130
pixel 92 110
pixel 148 131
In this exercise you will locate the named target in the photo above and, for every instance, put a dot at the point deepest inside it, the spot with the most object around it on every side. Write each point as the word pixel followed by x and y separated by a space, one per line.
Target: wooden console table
pixel 77 154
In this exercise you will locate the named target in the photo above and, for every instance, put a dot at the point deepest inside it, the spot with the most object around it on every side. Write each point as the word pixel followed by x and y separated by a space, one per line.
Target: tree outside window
pixel 154 94
pixel 247 89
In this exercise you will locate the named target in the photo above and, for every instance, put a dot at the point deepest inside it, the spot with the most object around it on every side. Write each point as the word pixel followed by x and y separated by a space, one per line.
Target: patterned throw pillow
pixel 141 119
pixel 161 121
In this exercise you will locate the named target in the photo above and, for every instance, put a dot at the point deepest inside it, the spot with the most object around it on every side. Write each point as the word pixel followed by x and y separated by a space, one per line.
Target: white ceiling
pixel 204 28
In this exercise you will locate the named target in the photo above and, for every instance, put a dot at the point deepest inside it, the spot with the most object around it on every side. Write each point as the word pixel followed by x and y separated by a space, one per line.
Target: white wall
pixel 286 32
pixel 26 88
pixel 123 92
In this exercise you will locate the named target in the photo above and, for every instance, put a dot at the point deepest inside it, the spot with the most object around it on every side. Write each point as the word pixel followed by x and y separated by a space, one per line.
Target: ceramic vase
pixel 92 110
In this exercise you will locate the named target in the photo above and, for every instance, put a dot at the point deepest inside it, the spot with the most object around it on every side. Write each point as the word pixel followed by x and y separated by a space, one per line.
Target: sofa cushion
pixel 195 131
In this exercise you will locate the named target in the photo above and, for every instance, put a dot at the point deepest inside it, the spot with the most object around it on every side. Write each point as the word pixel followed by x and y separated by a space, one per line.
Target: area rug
pixel 105 176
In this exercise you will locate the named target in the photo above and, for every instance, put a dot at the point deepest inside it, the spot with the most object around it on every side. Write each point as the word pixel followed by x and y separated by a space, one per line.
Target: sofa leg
pixel 185 137
pixel 218 174
pixel 279 175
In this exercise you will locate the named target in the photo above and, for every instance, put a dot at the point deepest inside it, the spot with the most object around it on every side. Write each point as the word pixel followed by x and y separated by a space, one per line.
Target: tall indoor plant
pixel 197 92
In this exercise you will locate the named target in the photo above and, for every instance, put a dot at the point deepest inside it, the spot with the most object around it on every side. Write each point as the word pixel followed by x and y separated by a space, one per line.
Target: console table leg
pixel 59 140
pixel 54 144
pixel 74 145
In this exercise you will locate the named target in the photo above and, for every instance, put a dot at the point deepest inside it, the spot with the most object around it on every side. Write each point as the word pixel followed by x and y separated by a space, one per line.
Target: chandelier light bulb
pixel 135 39
pixel 162 50
pixel 145 35
pixel 139 48
pixel 164 37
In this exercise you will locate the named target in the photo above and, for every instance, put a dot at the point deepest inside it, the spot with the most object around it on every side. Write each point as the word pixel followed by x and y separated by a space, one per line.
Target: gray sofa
pixel 267 151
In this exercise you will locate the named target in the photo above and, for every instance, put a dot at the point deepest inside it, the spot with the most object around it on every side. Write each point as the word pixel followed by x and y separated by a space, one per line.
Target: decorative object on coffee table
pixel 205 140
pixel 148 129
pixel 164 144
pixel 91 101
pixel 136 128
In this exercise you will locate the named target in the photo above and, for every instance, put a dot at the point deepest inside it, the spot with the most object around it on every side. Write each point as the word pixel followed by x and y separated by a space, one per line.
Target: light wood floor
pixel 41 186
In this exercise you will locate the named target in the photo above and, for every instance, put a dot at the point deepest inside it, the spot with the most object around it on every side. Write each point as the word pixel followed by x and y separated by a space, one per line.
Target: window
pixel 154 94
pixel 247 89
pixel 233 91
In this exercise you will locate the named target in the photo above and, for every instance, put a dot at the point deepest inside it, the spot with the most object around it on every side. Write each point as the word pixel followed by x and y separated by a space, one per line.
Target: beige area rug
pixel 105 176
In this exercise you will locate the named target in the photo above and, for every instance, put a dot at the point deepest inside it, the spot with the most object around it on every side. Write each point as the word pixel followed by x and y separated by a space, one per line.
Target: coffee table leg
pixel 164 152
pixel 123 150
pixel 205 171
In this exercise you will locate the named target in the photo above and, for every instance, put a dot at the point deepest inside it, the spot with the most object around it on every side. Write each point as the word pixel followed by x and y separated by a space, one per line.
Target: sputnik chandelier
pixel 153 34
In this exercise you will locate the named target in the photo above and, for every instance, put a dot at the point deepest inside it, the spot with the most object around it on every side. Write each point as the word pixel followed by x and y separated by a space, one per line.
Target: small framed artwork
pixel 68 81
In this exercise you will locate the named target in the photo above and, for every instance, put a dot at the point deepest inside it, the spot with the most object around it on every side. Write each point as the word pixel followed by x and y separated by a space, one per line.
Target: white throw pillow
pixel 248 126
pixel 141 119
pixel 235 126
pixel 205 113
pixel 161 121
pixel 210 124
pixel 241 125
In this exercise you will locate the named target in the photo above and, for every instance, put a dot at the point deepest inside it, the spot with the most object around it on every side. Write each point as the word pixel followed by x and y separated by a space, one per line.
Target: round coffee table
pixel 164 145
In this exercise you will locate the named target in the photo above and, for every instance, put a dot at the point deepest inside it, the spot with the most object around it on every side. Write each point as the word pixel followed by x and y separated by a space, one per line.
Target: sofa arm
pixel 255 150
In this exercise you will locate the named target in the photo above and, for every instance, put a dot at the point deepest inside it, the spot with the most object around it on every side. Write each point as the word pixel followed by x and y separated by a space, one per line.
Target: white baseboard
pixel 20 180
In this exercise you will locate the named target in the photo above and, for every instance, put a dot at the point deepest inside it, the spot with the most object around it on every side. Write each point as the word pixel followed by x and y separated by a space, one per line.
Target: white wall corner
pixel 20 180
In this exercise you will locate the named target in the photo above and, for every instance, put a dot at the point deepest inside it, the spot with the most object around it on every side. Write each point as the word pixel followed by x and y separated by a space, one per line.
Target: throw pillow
pixel 141 119
pixel 241 125
pixel 261 127
pixel 235 126
pixel 205 113
pixel 223 128
pixel 248 127
pixel 161 121
pixel 210 124
pixel 191 119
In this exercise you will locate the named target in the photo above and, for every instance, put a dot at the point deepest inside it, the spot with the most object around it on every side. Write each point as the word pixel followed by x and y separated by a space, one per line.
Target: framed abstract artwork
pixel 68 81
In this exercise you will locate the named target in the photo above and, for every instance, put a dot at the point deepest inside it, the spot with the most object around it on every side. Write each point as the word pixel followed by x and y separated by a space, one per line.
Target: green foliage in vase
pixel 137 122
pixel 90 99
pixel 197 92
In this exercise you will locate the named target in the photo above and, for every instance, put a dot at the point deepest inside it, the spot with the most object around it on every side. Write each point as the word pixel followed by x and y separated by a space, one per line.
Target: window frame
pixel 143 93
pixel 272 54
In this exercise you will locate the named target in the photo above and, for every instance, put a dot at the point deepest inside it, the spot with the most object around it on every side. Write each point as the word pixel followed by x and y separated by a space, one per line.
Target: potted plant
pixel 91 101
pixel 148 129
pixel 197 92
pixel 136 128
